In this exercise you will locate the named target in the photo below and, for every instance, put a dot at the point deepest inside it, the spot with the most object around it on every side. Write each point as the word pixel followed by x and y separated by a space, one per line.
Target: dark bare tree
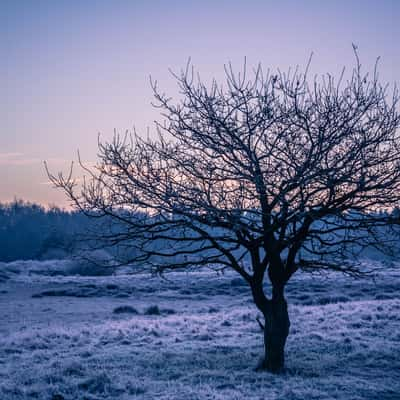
pixel 267 175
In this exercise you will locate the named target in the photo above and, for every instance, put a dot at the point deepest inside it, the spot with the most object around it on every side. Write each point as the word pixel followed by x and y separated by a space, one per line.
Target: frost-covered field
pixel 192 337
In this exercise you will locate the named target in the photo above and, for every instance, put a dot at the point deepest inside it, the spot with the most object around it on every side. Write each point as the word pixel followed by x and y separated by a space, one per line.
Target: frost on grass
pixel 344 342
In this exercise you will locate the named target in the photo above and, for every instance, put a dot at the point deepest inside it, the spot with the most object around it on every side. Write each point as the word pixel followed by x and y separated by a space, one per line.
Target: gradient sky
pixel 72 69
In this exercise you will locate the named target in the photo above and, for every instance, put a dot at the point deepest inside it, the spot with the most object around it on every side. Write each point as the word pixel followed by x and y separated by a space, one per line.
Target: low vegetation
pixel 96 345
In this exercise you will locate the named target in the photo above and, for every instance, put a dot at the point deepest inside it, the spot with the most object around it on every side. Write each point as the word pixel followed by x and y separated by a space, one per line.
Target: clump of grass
pixel 235 282
pixel 153 310
pixel 125 310
pixel 112 286
pixel 57 396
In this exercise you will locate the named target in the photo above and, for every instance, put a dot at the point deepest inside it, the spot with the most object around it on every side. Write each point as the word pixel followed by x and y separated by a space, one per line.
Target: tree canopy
pixel 261 167
pixel 266 173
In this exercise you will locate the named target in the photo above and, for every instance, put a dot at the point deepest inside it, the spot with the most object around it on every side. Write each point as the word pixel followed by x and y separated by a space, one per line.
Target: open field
pixel 193 336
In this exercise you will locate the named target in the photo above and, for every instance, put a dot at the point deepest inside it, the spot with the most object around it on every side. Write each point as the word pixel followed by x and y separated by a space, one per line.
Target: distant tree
pixel 266 176
pixel 29 231
pixel 19 233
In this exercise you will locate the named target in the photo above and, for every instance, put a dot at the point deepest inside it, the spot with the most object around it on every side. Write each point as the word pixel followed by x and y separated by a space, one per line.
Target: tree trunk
pixel 276 331
pixel 276 327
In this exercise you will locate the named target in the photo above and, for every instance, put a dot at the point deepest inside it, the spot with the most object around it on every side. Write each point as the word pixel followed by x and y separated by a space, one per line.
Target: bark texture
pixel 276 327
pixel 276 331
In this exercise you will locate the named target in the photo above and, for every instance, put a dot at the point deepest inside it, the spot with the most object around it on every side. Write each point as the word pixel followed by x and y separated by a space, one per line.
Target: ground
pixel 193 336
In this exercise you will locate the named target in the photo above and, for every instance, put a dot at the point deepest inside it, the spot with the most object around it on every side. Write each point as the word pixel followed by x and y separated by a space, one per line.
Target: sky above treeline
pixel 70 70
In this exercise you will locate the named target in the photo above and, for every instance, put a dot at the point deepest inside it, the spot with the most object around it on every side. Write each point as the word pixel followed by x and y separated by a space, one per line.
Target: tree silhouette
pixel 265 175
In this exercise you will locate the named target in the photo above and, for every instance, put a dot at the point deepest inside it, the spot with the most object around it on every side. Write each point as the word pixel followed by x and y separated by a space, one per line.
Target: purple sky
pixel 72 69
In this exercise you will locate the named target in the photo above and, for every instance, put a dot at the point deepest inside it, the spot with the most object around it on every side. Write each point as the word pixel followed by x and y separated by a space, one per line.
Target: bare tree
pixel 267 175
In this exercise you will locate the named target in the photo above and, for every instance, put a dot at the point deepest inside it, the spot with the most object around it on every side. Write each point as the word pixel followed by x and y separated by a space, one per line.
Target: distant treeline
pixel 30 231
